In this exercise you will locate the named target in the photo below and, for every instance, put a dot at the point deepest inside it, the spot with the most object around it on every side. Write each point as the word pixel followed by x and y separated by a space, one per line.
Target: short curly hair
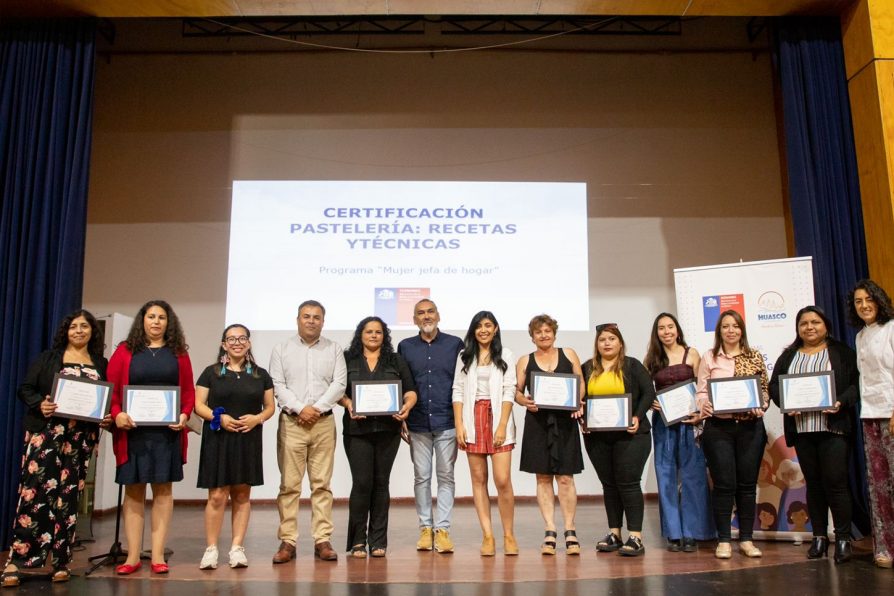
pixel 878 295
pixel 541 320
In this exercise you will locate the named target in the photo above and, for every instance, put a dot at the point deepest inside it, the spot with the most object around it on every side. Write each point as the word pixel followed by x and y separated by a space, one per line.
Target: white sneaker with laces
pixel 209 559
pixel 237 557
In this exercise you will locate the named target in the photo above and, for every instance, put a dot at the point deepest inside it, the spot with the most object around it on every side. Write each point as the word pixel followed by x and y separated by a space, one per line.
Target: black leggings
pixel 734 450
pixel 619 459
pixel 371 457
pixel 823 457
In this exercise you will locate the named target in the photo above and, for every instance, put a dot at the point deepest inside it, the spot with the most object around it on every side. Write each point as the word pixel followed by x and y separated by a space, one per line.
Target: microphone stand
pixel 116 552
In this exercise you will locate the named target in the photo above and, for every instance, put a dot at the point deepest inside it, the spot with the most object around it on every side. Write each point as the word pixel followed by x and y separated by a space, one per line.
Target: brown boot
pixel 324 551
pixel 285 553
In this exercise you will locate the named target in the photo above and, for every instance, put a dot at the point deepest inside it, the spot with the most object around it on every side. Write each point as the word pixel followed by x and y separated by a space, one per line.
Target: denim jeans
pixel 443 445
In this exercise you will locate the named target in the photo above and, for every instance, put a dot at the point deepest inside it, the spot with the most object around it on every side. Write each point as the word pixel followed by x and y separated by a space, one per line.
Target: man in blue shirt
pixel 432 356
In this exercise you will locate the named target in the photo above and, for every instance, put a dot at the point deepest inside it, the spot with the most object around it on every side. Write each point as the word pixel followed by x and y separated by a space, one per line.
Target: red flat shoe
pixel 160 568
pixel 126 569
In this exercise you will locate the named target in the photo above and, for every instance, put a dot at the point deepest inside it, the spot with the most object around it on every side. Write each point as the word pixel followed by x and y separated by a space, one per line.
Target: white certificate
pixel 609 412
pixel 150 405
pixel 81 398
pixel 807 392
pixel 555 391
pixel 376 398
pixel 677 402
pixel 735 394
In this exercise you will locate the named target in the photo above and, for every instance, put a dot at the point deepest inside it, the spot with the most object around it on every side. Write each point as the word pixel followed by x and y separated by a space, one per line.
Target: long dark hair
pixel 798 343
pixel 718 336
pixel 95 345
pixel 355 350
pixel 656 357
pixel 878 295
pixel 470 349
pixel 598 369
pixel 249 357
pixel 174 339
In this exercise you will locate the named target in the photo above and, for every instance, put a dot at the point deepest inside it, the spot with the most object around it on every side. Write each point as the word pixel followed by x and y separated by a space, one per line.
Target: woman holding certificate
pixel 869 308
pixel 732 396
pixel 679 462
pixel 551 441
pixel 235 397
pixel 151 402
pixel 57 451
pixel 483 394
pixel 379 395
pixel 820 433
pixel 618 450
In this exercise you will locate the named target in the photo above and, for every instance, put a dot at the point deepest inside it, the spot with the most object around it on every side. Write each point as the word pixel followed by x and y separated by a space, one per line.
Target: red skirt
pixel 484 431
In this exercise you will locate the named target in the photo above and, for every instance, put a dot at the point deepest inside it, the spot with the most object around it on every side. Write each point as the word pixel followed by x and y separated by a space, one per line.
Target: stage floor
pixel 406 571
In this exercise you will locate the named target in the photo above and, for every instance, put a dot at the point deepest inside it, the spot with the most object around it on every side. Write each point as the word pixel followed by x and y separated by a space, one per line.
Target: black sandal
pixel 609 544
pixel 549 543
pixel 633 547
pixel 358 551
pixel 572 547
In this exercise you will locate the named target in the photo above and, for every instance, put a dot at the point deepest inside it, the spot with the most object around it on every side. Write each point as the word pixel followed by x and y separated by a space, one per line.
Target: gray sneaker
pixel 209 559
pixel 237 557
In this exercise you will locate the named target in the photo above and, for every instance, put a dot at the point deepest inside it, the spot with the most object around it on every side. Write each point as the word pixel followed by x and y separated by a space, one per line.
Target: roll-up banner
pixel 768 295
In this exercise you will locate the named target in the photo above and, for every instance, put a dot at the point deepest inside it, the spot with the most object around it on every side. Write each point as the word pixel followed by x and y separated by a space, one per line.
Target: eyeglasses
pixel 242 339
pixel 603 326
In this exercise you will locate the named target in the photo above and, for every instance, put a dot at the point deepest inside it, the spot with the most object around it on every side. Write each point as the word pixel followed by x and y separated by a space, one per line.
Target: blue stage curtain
pixel 824 188
pixel 46 106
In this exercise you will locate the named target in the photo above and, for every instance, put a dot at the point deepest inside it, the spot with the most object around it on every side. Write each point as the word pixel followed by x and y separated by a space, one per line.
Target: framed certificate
pixel 609 412
pixel 376 398
pixel 735 394
pixel 677 402
pixel 81 398
pixel 152 405
pixel 807 392
pixel 555 391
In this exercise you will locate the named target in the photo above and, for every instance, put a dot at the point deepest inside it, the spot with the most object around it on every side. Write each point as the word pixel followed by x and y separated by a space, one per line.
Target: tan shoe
pixel 510 546
pixel 324 551
pixel 285 553
pixel 443 544
pixel 724 550
pixel 883 561
pixel 488 547
pixel 748 549
pixel 425 539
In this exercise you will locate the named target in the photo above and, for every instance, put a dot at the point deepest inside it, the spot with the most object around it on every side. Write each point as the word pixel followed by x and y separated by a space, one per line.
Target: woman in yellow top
pixel 620 456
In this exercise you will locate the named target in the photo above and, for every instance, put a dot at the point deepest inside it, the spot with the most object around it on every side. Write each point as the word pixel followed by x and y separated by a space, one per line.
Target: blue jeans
pixel 680 470
pixel 443 445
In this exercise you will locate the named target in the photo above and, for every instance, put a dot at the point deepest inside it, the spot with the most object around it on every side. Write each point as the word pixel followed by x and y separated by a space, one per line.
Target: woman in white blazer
pixel 483 395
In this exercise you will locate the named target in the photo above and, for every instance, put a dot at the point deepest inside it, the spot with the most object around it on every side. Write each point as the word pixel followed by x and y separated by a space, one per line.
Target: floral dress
pixel 54 469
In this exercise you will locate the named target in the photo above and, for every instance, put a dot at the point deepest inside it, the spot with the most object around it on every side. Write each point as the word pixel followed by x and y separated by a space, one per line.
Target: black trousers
pixel 619 459
pixel 371 457
pixel 734 450
pixel 824 461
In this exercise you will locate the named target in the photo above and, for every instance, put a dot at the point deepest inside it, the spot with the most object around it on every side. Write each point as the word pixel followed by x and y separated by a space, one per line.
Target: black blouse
pixel 390 368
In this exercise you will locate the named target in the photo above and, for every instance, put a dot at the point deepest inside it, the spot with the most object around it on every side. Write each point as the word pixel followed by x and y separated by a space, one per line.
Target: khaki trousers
pixel 301 448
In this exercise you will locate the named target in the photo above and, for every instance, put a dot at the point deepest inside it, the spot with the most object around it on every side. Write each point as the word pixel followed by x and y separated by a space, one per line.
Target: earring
pixel 224 360
pixel 249 361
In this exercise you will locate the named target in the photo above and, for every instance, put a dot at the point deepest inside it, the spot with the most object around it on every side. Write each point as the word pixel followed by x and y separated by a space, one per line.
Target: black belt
pixel 329 413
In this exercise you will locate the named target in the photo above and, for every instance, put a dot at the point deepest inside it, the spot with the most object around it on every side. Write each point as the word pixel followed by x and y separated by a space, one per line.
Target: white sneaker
pixel 209 559
pixel 237 557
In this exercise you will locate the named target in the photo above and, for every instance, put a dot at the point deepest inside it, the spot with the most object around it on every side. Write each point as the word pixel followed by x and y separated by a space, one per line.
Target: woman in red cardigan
pixel 154 353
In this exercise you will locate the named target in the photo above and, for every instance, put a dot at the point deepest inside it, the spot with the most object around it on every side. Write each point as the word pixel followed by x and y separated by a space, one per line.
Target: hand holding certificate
pixel 376 398
pixel 677 402
pixel 81 398
pixel 555 391
pixel 734 394
pixel 149 405
pixel 609 412
pixel 807 392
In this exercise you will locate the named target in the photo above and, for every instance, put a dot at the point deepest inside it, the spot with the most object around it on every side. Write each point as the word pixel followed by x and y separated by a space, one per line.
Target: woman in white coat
pixel 483 395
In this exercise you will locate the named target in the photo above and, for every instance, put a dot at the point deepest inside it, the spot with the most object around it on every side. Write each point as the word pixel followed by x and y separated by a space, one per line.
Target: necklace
pixel 155 351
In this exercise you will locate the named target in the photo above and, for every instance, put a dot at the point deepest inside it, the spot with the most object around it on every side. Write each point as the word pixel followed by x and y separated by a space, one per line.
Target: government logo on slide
pixel 712 306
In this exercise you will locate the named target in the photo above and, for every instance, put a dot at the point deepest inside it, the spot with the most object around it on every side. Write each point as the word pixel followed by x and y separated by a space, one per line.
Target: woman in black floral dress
pixel 57 452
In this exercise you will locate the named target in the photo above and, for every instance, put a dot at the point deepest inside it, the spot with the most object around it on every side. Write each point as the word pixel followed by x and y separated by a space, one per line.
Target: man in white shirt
pixel 309 377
